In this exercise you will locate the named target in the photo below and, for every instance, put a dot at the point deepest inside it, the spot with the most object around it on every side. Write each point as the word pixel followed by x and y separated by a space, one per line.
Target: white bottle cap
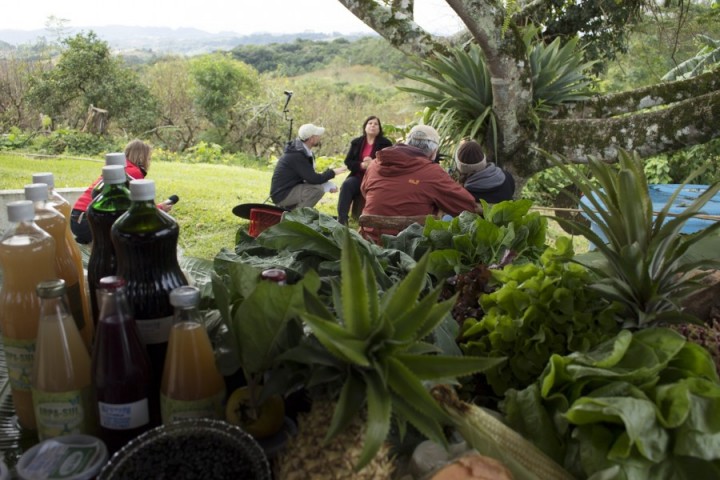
pixel 141 190
pixel 36 192
pixel 115 158
pixel 20 211
pixel 113 174
pixel 185 296
pixel 44 177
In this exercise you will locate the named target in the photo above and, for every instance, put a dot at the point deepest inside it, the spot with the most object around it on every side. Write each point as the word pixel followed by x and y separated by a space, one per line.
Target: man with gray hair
pixel 295 183
pixel 404 180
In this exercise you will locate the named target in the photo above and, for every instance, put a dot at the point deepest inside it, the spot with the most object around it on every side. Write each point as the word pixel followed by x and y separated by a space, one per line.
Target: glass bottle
pixel 61 384
pixel 27 257
pixel 115 158
pixel 120 369
pixel 113 201
pixel 192 386
pixel 53 222
pixel 145 240
pixel 61 204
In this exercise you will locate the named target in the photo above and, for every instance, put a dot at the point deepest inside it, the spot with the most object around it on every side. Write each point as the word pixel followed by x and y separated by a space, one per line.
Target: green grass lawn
pixel 207 193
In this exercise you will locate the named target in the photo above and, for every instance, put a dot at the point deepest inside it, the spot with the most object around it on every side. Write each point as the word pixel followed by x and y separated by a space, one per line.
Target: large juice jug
pixel 145 240
pixel 192 386
pixel 113 201
pixel 120 369
pixel 61 385
pixel 60 203
pixel 27 257
pixel 52 221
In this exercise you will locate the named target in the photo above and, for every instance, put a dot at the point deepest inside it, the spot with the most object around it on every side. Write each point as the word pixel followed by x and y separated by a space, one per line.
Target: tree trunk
pixel 96 121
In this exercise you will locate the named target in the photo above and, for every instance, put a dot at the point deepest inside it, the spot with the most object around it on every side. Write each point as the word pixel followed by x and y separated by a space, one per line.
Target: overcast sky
pixel 241 16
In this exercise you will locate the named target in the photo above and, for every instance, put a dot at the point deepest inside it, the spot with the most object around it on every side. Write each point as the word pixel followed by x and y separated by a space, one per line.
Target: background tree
pixel 15 74
pixel 599 126
pixel 87 74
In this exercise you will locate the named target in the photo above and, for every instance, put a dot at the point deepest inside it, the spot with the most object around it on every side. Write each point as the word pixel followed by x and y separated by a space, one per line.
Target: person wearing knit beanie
pixel 483 179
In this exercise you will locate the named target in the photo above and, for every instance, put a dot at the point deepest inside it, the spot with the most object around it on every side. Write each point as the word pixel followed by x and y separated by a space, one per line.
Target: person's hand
pixel 339 170
pixel 333 189
pixel 366 163
pixel 165 207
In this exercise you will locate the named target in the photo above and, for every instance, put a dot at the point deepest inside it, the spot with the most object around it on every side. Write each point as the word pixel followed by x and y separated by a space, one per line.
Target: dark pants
pixel 350 189
pixel 80 227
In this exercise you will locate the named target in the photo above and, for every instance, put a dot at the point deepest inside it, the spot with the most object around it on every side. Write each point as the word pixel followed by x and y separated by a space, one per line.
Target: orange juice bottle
pixel 53 222
pixel 61 204
pixel 27 257
pixel 61 383
pixel 192 386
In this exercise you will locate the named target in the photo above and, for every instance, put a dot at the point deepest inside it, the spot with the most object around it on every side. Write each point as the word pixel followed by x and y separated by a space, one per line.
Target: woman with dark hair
pixel 361 152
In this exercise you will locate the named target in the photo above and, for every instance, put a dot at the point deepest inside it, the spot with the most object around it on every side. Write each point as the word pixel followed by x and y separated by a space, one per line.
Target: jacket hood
pixel 400 159
pixel 296 145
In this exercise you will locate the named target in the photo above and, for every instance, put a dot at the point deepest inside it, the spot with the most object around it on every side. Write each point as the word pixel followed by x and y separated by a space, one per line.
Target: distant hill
pixel 186 41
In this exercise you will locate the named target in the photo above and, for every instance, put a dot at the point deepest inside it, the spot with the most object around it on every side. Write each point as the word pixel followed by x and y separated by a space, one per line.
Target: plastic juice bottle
pixel 145 240
pixel 120 369
pixel 115 158
pixel 60 203
pixel 53 222
pixel 113 201
pixel 61 384
pixel 27 257
pixel 192 386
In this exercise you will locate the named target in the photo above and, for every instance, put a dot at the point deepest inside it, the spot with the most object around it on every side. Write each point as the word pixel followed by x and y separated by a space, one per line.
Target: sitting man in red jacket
pixel 404 180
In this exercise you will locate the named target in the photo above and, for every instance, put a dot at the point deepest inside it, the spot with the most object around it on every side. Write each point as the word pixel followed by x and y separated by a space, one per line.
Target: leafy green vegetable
pixel 641 405
pixel 538 311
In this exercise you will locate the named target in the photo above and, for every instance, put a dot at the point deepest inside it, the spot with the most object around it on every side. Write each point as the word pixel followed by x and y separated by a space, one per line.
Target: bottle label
pixel 75 304
pixel 124 416
pixel 154 330
pixel 61 413
pixel 19 355
pixel 173 410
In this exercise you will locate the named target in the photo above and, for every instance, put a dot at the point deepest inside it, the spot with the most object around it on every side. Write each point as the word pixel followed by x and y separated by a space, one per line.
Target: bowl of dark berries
pixel 190 449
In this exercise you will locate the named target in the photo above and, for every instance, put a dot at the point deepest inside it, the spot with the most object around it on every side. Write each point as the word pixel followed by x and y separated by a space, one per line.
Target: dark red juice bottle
pixel 145 240
pixel 113 201
pixel 120 369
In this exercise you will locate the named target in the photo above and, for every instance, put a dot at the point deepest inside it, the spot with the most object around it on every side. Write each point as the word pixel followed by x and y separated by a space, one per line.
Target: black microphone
pixel 172 200
pixel 288 93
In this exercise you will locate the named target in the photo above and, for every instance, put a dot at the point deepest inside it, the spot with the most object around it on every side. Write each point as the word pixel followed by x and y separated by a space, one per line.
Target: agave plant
pixel 645 266
pixel 365 364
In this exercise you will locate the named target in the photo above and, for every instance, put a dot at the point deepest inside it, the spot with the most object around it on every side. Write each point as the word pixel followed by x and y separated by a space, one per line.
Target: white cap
pixel 115 158
pixel 44 177
pixel 142 190
pixel 185 296
pixel 308 130
pixel 20 211
pixel 113 174
pixel 36 192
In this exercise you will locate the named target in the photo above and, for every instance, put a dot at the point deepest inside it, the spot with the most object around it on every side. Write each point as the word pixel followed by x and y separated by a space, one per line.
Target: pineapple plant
pixel 365 365
pixel 644 264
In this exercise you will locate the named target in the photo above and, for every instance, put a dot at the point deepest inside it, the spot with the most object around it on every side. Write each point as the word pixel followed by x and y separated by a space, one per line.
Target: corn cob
pixel 491 437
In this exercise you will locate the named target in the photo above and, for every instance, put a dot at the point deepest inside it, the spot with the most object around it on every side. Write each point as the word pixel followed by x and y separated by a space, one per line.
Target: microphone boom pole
pixel 288 94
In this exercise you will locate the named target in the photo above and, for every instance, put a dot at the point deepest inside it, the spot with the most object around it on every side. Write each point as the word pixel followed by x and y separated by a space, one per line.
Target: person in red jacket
pixel 404 180
pixel 137 163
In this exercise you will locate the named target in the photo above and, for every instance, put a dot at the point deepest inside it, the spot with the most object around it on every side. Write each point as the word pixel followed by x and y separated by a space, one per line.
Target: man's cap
pixel 424 132
pixel 308 130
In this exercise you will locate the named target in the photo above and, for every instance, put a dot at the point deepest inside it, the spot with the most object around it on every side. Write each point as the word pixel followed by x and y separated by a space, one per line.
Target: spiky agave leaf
pixel 381 353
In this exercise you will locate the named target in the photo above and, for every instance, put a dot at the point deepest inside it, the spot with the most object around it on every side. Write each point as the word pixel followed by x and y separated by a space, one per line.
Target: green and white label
pixel 173 410
pixel 19 355
pixel 62 413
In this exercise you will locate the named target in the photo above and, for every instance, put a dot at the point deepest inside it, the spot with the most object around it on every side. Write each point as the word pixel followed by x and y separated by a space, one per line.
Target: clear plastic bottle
pixel 27 257
pixel 192 386
pixel 145 240
pixel 62 205
pixel 103 211
pixel 61 384
pixel 115 158
pixel 53 222
pixel 120 369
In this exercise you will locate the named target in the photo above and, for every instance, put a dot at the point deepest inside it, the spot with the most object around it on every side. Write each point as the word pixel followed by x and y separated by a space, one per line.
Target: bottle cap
pixel 185 296
pixel 112 282
pixel 20 211
pixel 51 288
pixel 115 158
pixel 113 174
pixel 142 190
pixel 44 177
pixel 36 192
